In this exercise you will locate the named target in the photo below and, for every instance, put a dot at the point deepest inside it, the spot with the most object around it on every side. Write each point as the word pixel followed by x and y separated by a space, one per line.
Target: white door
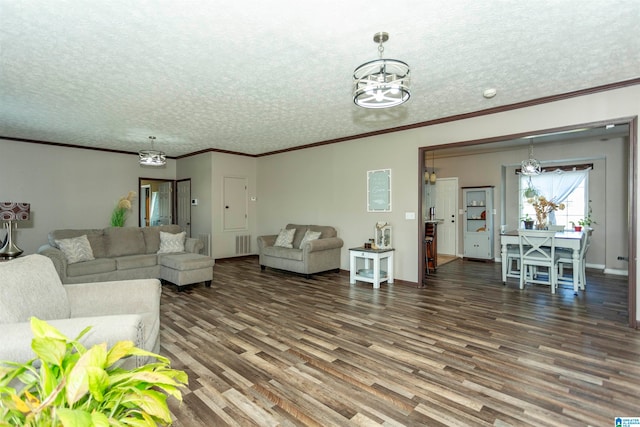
pixel 164 203
pixel 236 204
pixel 145 203
pixel 183 209
pixel 447 209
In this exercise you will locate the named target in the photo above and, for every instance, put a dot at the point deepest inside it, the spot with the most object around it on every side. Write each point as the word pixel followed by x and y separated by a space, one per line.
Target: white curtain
pixel 556 186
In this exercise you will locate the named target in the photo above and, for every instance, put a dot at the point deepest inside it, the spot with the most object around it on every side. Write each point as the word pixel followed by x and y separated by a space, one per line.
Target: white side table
pixel 367 274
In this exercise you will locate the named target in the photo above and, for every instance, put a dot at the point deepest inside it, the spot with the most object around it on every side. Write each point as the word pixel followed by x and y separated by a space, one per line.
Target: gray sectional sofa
pixel 122 253
pixel 314 256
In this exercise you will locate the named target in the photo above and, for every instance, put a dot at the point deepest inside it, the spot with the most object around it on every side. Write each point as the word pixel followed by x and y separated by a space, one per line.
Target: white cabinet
pixel 478 222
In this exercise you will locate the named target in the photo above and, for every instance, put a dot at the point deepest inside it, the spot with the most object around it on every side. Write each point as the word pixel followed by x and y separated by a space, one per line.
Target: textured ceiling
pixel 255 77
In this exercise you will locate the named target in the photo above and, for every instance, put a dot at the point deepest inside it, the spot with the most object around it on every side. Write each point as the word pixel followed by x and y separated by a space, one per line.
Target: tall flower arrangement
pixel 121 211
pixel 543 207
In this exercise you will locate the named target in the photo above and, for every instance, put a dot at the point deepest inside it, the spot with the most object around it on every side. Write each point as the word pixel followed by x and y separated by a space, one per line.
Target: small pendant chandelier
pixel 432 177
pixel 531 166
pixel 152 157
pixel 381 83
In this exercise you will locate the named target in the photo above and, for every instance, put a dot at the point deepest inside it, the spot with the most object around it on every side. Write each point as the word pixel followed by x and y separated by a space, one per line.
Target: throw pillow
pixel 285 238
pixel 309 236
pixel 76 249
pixel 170 243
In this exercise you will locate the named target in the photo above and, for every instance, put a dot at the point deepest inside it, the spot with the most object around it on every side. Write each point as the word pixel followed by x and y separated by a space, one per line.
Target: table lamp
pixel 11 212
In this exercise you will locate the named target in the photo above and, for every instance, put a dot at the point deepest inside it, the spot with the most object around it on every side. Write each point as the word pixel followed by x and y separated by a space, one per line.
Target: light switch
pixel 409 215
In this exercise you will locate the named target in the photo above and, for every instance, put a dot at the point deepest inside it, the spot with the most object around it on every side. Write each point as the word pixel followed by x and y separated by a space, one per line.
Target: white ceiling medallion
pixel 381 83
pixel 152 157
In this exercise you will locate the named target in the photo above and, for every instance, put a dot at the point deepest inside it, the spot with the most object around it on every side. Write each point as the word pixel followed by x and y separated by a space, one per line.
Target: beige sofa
pixel 119 310
pixel 124 253
pixel 314 256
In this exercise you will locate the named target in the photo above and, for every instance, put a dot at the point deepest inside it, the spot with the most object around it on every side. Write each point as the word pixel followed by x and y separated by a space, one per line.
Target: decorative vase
pixel 541 220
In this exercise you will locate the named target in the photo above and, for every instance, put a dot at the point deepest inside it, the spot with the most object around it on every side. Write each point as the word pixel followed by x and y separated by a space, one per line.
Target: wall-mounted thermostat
pixel 194 202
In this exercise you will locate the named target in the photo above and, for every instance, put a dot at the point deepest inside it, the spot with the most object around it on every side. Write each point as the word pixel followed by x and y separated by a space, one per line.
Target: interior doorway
pixel 556 135
pixel 183 205
pixel 157 202
pixel 446 196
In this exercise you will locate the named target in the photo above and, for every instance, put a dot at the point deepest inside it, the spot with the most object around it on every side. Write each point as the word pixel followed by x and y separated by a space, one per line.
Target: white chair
pixel 566 257
pixel 538 250
pixel 513 257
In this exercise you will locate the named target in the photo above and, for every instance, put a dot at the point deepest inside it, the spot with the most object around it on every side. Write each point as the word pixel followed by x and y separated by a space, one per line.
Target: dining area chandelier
pixel 381 83
pixel 531 166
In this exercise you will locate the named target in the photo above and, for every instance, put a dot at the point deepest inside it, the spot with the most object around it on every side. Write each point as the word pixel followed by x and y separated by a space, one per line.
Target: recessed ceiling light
pixel 489 93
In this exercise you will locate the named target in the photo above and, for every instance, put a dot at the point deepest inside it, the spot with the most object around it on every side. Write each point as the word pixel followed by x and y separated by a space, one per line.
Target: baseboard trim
pixel 616 272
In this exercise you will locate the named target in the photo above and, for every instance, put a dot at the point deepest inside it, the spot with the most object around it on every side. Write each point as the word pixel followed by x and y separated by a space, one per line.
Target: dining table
pixel 564 239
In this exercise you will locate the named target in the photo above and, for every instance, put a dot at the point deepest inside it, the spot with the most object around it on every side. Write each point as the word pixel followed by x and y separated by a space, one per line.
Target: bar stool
pixel 428 254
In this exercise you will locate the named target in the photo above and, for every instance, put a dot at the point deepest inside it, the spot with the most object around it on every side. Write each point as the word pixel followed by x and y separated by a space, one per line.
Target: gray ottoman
pixel 186 268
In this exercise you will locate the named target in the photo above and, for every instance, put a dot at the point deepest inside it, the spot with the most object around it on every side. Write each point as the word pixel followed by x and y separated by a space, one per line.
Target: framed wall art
pixel 379 190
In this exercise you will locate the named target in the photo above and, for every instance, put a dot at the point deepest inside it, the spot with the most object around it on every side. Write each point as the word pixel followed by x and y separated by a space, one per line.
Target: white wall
pixel 228 165
pixel 68 188
pixel 198 169
pixel 327 186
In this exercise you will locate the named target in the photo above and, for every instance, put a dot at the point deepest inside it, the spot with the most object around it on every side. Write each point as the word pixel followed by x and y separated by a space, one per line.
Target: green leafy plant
pixel 587 221
pixel 121 211
pixel 526 218
pixel 530 192
pixel 68 385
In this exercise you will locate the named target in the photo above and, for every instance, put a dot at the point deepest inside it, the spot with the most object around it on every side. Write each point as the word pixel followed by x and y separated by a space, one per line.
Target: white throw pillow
pixel 309 236
pixel 285 238
pixel 77 249
pixel 170 243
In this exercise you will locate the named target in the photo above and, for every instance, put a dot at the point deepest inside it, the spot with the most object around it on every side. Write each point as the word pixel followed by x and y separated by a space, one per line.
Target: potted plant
pixel 585 222
pixel 528 222
pixel 68 385
pixel 530 192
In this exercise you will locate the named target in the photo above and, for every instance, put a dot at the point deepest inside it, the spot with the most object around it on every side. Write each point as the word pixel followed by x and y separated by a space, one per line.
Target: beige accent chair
pixel 118 310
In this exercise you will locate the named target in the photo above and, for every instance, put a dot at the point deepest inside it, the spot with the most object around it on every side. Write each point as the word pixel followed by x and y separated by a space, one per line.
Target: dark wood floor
pixel 275 349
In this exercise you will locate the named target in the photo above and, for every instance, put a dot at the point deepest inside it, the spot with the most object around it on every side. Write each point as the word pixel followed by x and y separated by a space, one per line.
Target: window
pixel 568 187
